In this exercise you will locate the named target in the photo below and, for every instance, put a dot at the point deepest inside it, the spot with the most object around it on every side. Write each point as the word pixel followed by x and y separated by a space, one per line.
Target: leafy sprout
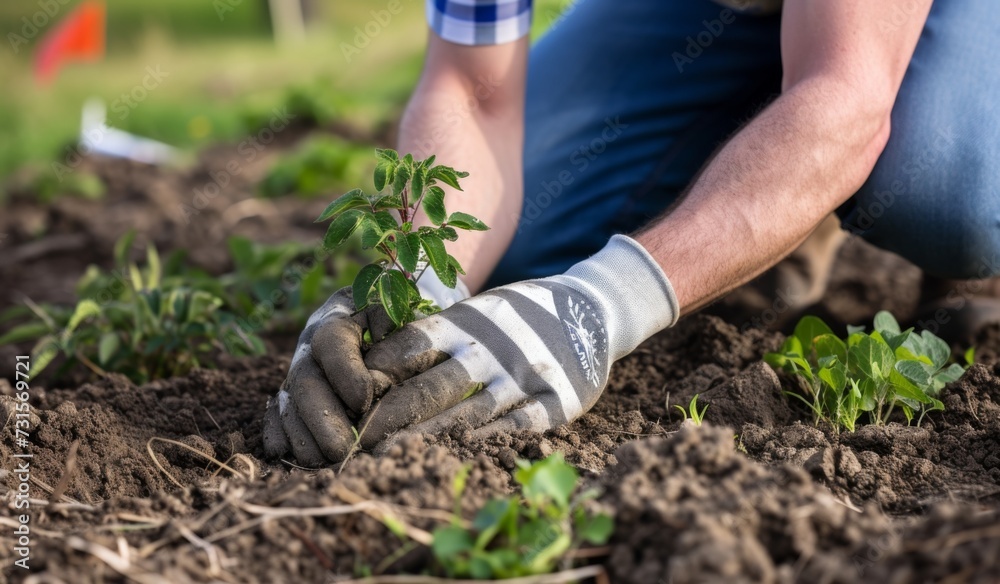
pixel 867 373
pixel 136 321
pixel 522 535
pixel 692 413
pixel 385 221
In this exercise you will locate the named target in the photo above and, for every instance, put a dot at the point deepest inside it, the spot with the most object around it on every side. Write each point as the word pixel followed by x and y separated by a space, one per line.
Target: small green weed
pixel 522 535
pixel 867 373
pixel 692 413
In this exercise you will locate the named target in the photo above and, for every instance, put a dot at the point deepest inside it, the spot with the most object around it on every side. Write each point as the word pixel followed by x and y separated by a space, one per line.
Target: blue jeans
pixel 627 99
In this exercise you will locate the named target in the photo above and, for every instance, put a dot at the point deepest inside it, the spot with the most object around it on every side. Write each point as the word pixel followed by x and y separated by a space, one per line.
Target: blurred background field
pixel 224 71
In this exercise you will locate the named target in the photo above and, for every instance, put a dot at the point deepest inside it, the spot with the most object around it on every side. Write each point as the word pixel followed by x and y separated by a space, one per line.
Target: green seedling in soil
pixel 385 220
pixel 866 373
pixel 135 321
pixel 692 413
pixel 522 535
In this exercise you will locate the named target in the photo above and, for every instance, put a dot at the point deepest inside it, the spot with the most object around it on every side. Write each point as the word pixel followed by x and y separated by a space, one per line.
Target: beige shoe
pixel 956 310
pixel 778 297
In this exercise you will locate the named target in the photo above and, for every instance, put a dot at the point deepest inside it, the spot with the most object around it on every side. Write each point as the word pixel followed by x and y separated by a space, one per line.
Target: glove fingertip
pixel 274 438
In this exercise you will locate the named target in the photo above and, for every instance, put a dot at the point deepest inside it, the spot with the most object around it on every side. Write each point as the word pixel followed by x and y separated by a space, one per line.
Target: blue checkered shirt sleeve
pixel 479 22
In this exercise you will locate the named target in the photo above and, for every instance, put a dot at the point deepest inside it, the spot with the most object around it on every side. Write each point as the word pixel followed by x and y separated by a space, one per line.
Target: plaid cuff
pixel 479 22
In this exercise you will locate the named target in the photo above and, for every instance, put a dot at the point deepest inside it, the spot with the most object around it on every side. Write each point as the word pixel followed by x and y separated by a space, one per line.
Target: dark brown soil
pixel 757 495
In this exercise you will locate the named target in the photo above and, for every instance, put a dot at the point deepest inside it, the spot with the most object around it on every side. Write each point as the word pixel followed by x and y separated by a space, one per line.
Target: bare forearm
pixel 468 110
pixel 489 149
pixel 766 190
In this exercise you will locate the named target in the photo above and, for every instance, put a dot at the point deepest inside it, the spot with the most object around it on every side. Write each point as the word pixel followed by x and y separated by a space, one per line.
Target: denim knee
pixel 935 200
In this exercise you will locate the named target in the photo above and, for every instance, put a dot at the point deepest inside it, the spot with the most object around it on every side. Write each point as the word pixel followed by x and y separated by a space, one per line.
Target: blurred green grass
pixel 219 71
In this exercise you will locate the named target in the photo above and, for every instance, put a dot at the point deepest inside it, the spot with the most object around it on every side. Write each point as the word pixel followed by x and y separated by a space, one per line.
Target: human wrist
pixel 636 297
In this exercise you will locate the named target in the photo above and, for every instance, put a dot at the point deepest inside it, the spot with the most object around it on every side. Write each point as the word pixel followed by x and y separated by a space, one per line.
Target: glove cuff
pixel 637 299
pixel 432 288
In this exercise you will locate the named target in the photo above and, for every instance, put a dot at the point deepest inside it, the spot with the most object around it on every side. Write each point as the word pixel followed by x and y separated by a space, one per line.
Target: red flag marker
pixel 79 37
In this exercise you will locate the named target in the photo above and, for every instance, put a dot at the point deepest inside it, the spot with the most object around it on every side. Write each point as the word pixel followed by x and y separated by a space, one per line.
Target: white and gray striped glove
pixel 328 384
pixel 531 355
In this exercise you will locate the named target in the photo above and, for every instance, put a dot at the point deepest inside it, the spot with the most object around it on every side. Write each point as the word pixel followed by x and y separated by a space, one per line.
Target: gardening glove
pixel 527 356
pixel 328 383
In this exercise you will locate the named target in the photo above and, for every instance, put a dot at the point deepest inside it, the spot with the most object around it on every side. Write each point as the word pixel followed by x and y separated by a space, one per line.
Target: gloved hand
pixel 531 355
pixel 328 384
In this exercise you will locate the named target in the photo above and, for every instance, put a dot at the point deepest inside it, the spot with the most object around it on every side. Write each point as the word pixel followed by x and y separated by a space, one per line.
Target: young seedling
pixel 135 321
pixel 522 535
pixel 866 373
pixel 692 413
pixel 386 223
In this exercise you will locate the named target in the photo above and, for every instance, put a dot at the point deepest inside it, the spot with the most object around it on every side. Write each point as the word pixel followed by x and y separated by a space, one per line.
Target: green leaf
pixel 85 309
pixel 597 529
pixel 808 328
pixel 418 183
pixel 447 233
pixel 885 322
pixel 387 154
pixel 155 269
pixel 491 518
pixel 830 346
pixel 949 374
pixel 853 328
pixel 363 284
pixel 835 377
pixel 938 350
pixel 122 248
pixel 381 174
pixel 393 293
pixel 376 228
pixel 466 221
pixel 448 176
pixel 25 332
pixel 551 478
pixel 776 360
pixel 349 200
pixel 241 249
pixel 438 258
pixel 108 346
pixel 915 372
pixel 870 351
pixel 449 542
pixel 904 388
pixel 401 179
pixel 970 356
pixel 408 250
pixel 42 354
pixel 433 205
pixel 867 388
pixel 895 341
pixel 342 228
pixel 388 202
pixel 136 277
